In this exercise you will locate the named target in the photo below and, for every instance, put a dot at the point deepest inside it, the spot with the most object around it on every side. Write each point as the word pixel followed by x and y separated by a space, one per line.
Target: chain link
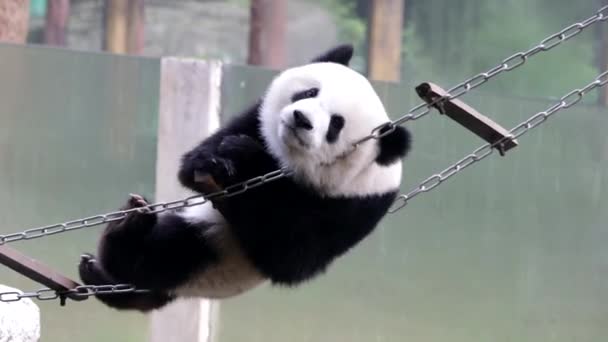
pixel 566 101
pixel 415 113
pixel 83 291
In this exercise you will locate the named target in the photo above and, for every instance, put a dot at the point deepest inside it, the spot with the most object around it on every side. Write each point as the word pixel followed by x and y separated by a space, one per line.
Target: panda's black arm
pixel 232 154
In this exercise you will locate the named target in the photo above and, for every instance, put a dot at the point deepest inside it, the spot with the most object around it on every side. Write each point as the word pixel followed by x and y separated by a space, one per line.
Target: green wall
pixel 77 134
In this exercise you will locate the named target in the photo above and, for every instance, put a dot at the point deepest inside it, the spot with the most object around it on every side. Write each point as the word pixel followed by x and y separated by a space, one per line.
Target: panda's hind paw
pixel 138 221
pixel 90 271
pixel 137 201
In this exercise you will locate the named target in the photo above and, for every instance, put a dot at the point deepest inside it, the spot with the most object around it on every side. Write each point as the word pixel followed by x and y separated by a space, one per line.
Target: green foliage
pixel 351 28
pixel 550 74
pixel 38 8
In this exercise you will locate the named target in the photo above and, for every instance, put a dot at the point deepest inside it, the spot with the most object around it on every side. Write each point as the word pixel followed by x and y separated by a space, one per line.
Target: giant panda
pixel 284 232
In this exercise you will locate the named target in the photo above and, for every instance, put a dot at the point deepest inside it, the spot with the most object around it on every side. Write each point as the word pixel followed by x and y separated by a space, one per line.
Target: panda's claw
pixel 206 183
pixel 219 170
pixel 137 201
pixel 87 269
pixel 87 257
pixel 136 197
pixel 138 219
pixel 86 260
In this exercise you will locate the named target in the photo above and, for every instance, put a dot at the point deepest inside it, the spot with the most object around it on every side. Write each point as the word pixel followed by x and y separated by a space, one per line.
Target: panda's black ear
pixel 394 146
pixel 340 54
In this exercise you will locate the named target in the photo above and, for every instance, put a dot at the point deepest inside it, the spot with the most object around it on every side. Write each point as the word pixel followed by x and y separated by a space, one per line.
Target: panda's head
pixel 310 117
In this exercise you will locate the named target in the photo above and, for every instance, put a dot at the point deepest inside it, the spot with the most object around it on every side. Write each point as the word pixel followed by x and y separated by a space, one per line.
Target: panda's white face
pixel 311 115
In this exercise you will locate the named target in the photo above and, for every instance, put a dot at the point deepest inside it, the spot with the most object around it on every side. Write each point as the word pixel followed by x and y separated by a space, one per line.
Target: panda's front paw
pixel 206 174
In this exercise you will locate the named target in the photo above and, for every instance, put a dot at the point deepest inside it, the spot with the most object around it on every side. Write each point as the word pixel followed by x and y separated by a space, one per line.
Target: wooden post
pixel 57 15
pixel 14 20
pixel 189 111
pixel 115 35
pixel 135 27
pixel 124 26
pixel 384 40
pixel 267 28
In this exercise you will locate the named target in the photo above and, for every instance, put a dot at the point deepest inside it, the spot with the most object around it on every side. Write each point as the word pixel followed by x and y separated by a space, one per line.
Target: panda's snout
pixel 301 121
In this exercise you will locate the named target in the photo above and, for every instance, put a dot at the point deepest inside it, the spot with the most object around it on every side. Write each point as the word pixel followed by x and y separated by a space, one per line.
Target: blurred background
pixel 435 38
pixel 513 249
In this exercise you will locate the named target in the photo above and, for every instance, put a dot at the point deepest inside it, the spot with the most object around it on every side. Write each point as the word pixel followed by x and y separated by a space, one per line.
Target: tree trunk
pixel 385 29
pixel 57 15
pixel 14 19
pixel 267 33
pixel 124 26
pixel 115 35
pixel 135 27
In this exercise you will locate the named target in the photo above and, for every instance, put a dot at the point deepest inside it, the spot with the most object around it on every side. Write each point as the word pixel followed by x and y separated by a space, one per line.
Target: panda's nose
pixel 301 121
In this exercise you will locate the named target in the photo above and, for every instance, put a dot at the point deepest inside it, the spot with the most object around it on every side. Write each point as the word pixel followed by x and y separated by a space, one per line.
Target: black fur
pixel 305 94
pixel 340 54
pixel 149 251
pixel 301 121
pixel 336 123
pixel 394 146
pixel 288 231
pixel 292 234
pixel 93 274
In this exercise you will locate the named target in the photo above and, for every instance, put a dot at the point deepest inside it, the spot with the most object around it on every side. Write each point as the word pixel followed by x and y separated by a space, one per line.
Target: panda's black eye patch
pixel 305 94
pixel 336 123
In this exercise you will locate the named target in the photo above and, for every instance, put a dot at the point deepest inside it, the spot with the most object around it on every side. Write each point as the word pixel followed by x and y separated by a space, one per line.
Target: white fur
pixel 342 91
pixel 234 274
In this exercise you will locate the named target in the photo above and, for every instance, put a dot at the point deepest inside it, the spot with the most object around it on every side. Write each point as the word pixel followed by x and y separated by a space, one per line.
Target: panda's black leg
pixel 122 241
pixel 92 274
pixel 150 251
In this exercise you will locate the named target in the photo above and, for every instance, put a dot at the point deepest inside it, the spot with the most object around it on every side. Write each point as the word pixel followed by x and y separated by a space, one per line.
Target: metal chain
pixel 508 64
pixel 415 113
pixel 96 220
pixel 83 291
pixel 567 101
